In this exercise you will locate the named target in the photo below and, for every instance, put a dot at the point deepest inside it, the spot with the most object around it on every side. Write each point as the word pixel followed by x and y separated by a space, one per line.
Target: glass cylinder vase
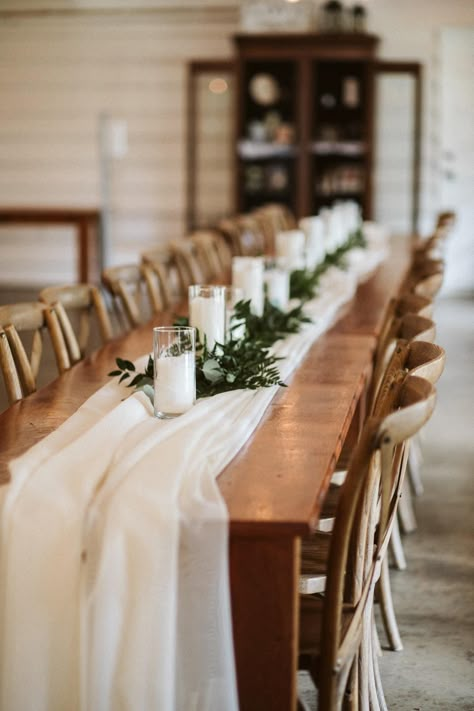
pixel 174 350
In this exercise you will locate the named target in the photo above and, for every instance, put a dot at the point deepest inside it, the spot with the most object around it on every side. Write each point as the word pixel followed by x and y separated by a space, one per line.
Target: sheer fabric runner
pixel 114 586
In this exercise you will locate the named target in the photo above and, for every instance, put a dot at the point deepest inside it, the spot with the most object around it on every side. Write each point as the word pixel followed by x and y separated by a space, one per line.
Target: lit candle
pixel 207 313
pixel 290 249
pixel 278 287
pixel 174 370
pixel 247 273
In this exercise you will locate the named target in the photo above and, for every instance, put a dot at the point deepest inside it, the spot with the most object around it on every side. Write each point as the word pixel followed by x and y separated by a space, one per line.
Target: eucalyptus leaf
pixel 148 390
pixel 212 370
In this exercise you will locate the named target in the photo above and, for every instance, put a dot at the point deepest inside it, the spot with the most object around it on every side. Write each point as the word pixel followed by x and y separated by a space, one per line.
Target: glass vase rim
pixel 173 329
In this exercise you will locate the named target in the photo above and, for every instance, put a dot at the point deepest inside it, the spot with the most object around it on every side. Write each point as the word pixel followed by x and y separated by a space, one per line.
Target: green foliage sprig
pixel 304 282
pixel 238 364
pixel 273 325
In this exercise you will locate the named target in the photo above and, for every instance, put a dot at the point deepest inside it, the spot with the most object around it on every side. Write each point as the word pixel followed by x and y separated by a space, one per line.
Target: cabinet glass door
pixel 210 143
pixel 340 143
pixel 397 145
pixel 267 145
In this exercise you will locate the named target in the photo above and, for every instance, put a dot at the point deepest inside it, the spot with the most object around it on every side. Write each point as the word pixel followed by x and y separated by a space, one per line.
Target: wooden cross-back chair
pixel 406 304
pixel 409 327
pixel 19 370
pixel 271 219
pixel 213 254
pixel 87 301
pixel 166 286
pixel 336 641
pixel 132 293
pixel 426 278
pixel 446 219
pixel 243 235
pixel 414 358
pixel 189 265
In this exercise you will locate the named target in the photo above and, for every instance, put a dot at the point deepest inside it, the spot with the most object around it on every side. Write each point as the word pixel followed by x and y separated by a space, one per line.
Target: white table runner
pixel 114 586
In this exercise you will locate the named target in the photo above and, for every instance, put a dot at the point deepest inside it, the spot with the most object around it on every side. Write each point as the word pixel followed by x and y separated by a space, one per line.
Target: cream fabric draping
pixel 114 590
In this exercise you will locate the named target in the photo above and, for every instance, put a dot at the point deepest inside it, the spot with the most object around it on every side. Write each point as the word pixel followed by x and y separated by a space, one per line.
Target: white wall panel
pixel 60 70
pixel 58 74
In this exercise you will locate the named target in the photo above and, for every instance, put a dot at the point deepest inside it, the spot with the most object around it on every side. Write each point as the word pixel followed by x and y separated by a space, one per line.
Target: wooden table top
pixel 277 481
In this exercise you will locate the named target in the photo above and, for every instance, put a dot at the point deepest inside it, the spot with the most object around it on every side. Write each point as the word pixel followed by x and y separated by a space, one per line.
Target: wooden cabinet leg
pixel 264 583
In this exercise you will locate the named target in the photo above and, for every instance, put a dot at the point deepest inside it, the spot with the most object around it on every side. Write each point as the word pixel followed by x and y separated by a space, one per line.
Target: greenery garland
pixel 246 363
pixel 304 282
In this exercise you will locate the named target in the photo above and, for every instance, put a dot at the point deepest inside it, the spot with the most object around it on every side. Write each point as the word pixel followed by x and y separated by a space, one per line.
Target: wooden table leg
pixel 83 248
pixel 264 584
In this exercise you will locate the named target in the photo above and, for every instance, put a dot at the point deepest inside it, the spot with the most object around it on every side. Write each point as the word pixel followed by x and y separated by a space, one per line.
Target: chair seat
pixel 313 560
pixel 329 507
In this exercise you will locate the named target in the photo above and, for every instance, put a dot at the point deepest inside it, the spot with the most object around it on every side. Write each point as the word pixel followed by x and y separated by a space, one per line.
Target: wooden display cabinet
pixel 305 120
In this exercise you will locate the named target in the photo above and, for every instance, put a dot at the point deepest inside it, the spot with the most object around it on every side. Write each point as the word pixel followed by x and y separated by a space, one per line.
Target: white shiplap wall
pixel 58 73
pixel 60 70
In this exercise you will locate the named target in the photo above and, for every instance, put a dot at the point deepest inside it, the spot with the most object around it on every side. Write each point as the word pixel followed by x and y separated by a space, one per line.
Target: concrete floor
pixel 434 598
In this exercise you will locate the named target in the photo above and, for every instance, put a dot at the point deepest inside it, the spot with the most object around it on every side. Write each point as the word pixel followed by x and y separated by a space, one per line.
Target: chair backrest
pixel 423 359
pixel 409 327
pixel 409 303
pixel 212 252
pixel 365 514
pixel 189 266
pixel 85 300
pixel 129 287
pixel 446 219
pixel 19 370
pixel 271 219
pixel 166 284
pixel 243 235
pixel 426 278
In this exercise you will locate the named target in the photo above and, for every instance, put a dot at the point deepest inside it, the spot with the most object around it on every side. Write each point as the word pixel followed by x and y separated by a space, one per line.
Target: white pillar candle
pixel 175 384
pixel 278 287
pixel 207 315
pixel 247 273
pixel 336 226
pixel 313 227
pixel 289 246
pixel 325 215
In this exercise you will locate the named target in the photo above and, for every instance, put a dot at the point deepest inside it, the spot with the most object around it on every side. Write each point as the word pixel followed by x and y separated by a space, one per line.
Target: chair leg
pixel 387 609
pixel 378 646
pixel 415 459
pixel 396 547
pixel 406 512
pixel 373 695
pixel 364 668
pixel 351 694
pixel 378 680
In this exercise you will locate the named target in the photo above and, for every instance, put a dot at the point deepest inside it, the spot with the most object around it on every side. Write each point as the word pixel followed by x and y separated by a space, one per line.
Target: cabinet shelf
pixel 256 150
pixel 345 149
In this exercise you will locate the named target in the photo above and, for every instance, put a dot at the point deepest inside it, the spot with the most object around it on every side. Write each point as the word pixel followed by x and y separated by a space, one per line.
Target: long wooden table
pixel 274 486
pixel 86 222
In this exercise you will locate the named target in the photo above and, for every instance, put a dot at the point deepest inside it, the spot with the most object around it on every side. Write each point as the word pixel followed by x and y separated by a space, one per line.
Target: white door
pixel 457 152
